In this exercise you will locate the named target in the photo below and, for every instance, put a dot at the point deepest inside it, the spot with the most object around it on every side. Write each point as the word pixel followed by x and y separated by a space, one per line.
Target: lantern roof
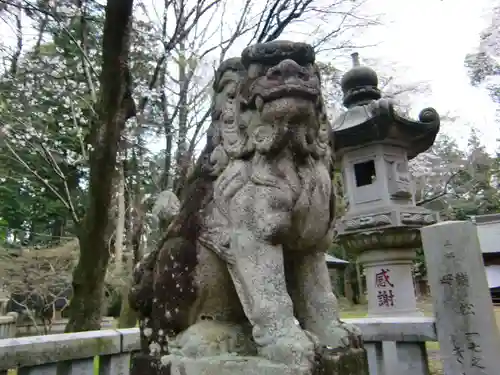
pixel 371 118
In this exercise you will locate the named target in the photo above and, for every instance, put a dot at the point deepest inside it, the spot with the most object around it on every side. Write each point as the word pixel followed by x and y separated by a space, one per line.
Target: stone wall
pixel 58 326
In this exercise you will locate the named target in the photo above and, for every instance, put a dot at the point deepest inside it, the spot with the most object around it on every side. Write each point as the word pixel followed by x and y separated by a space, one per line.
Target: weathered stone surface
pixel 211 338
pixel 130 342
pixel 410 329
pixel 274 52
pixel 373 118
pixel 466 327
pixel 228 365
pixel 350 361
pixel 247 247
pixel 32 351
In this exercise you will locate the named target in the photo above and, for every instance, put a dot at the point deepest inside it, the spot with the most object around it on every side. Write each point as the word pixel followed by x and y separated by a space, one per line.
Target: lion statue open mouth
pixel 286 89
pixel 281 98
pixel 244 258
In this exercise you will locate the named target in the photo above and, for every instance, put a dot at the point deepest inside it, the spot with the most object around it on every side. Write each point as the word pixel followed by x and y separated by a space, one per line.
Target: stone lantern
pixel 373 144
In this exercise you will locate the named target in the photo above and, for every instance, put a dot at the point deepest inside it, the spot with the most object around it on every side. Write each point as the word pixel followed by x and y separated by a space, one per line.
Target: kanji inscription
pixel 385 298
pixel 468 349
pixel 385 294
pixel 382 279
pixel 457 289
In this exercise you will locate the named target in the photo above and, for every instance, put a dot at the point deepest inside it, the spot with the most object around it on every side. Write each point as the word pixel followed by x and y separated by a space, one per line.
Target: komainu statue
pixel 241 269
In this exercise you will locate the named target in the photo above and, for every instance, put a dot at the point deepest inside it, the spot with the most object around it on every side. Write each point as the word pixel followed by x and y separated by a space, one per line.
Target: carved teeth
pixel 259 103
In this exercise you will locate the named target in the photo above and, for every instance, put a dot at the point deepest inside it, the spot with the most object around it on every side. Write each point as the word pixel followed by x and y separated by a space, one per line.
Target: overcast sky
pixel 427 40
pixel 431 38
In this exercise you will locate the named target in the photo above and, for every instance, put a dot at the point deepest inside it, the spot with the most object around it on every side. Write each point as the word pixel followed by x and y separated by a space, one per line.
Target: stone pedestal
pixel 389 282
pixel 387 258
pixel 349 362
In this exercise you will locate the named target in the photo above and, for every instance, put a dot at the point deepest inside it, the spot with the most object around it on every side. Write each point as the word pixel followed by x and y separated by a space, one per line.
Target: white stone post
pixel 389 282
pixel 466 327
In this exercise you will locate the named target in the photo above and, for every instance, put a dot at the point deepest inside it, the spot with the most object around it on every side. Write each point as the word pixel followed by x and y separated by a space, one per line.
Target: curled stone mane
pixel 273 52
pixel 168 270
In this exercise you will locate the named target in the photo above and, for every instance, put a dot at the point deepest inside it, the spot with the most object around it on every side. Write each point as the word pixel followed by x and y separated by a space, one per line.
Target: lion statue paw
pixel 296 350
pixel 339 335
pixel 212 338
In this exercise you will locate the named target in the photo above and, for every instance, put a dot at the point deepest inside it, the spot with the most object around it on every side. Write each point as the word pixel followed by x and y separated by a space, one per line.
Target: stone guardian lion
pixel 244 259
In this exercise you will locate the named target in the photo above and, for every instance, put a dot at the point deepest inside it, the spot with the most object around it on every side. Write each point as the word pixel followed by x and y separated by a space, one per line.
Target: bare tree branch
pixel 19 45
pixel 44 181
pixel 442 193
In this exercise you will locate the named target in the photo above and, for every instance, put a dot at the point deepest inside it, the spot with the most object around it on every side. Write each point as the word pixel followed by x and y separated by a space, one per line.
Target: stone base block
pixel 351 362
pixel 228 365
pixel 347 362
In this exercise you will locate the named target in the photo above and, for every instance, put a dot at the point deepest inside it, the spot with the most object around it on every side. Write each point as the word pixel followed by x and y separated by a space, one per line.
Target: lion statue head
pixel 276 106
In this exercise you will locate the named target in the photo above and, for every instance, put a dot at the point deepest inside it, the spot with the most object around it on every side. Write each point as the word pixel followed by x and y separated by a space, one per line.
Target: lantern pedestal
pixel 387 257
pixel 390 282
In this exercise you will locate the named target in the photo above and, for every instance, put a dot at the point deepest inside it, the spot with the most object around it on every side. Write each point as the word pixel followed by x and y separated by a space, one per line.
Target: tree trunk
pixel 183 159
pixel 114 107
pixel 169 138
pixel 32 237
pixel 120 222
pixel 167 122
pixel 128 316
pixel 57 230
pixel 19 31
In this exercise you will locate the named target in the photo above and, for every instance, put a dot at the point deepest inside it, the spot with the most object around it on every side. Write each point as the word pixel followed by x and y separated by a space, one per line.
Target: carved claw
pixel 294 351
pixel 341 335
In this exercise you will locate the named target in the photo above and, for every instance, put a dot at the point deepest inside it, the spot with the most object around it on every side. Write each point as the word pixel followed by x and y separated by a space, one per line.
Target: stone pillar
pixel 387 256
pixel 389 282
pixel 466 327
